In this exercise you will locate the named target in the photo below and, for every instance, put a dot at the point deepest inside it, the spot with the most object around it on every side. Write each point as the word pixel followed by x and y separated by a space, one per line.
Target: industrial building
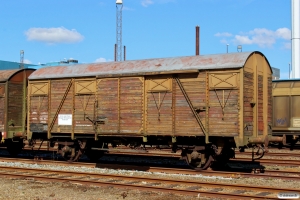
pixel 4 65
pixel 58 63
pixel 276 73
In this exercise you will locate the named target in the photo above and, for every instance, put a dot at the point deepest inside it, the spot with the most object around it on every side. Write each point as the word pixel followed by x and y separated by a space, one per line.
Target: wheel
pixel 197 160
pixel 72 152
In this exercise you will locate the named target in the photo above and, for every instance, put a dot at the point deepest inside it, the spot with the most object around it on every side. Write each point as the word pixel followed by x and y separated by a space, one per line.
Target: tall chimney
pixel 295 4
pixel 197 41
pixel 115 52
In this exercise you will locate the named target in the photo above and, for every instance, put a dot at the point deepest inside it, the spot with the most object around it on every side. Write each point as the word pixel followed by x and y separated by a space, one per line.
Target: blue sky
pixel 85 30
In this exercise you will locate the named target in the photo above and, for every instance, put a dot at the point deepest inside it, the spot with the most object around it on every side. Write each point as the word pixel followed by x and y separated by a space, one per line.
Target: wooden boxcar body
pixel 286 109
pixel 184 102
pixel 13 93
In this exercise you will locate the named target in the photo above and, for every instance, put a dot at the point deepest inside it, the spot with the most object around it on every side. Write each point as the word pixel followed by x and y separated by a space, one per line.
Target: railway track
pixel 276 174
pixel 185 187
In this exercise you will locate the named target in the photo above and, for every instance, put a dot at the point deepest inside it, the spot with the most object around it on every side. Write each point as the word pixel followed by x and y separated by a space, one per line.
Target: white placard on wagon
pixel 65 119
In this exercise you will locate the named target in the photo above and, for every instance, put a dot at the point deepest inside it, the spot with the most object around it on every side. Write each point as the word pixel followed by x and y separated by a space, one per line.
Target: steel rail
pixel 286 175
pixel 152 184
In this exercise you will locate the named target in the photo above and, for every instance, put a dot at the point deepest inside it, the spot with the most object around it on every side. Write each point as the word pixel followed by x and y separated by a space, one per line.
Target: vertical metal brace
pixel 24 110
pixel 173 106
pixel 49 108
pixel 145 107
pixel 145 139
pixel 96 109
pixel 240 138
pixel 119 111
pixel 28 133
pixel 265 100
pixel 255 99
pixel 142 79
pixel 73 113
pixel 207 106
pixel 6 128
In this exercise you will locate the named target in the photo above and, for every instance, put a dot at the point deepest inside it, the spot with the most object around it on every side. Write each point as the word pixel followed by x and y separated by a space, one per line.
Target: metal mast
pixel 119 6
pixel 21 59
pixel 295 4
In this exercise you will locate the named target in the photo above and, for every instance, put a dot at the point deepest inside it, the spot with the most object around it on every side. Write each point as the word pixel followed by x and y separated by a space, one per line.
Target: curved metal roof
pixel 7 74
pixel 146 67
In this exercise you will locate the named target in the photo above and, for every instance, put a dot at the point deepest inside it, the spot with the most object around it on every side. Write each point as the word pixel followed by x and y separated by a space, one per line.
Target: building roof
pixel 5 65
pixel 146 67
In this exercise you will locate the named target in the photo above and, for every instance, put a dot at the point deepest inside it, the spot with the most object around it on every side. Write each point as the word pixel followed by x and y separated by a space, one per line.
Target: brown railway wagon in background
pixel 13 93
pixel 203 105
pixel 286 109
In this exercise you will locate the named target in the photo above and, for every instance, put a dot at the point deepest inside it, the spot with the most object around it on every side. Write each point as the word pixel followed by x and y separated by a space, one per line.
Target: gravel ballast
pixel 29 189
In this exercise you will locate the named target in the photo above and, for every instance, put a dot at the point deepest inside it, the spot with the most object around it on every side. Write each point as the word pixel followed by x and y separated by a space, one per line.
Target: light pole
pixel 22 59
pixel 118 45
pixel 289 70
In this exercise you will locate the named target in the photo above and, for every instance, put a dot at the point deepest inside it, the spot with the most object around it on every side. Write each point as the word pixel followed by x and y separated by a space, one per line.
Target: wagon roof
pixel 5 75
pixel 146 67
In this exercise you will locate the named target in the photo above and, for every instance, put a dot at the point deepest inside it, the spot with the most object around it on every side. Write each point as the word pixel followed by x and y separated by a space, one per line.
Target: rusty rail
pixel 276 174
pixel 187 187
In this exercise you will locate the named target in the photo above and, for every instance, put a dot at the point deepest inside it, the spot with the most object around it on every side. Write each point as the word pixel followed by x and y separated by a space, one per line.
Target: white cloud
pixel 283 33
pixel 224 34
pixel 224 41
pixel 100 60
pixel 260 36
pixel 243 39
pixel 264 37
pixel 261 31
pixel 27 61
pixel 53 35
pixel 146 3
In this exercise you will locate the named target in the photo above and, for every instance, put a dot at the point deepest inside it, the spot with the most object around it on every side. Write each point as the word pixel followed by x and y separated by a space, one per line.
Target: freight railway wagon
pixel 203 106
pixel 286 109
pixel 13 92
